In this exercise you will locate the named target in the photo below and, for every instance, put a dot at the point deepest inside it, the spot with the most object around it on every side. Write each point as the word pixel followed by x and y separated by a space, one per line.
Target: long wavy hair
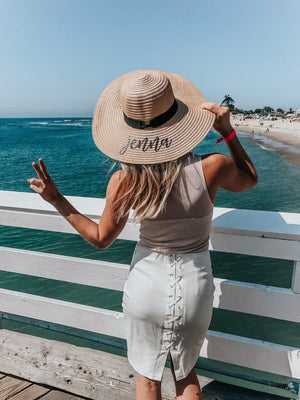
pixel 145 189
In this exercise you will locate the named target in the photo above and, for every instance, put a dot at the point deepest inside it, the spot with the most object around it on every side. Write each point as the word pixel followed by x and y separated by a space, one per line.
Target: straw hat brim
pixel 175 138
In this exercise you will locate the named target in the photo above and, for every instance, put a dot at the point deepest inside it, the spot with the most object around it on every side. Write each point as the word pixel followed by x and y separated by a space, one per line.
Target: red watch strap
pixel 230 137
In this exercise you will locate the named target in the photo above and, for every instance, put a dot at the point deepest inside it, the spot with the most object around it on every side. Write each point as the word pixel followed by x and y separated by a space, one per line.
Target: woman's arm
pixel 101 235
pixel 235 174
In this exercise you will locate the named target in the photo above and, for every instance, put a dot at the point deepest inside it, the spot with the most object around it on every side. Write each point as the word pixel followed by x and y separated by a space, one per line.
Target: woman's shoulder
pixel 214 160
pixel 114 181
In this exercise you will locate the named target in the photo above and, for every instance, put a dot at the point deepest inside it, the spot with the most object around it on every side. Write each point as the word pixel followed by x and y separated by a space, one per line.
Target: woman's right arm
pixel 235 174
pixel 101 235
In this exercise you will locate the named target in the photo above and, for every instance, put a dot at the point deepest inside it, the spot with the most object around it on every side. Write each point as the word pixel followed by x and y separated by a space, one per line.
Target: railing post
pixel 296 277
pixel 1 317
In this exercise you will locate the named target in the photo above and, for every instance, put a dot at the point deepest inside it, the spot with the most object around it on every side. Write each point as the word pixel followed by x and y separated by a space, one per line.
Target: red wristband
pixel 230 137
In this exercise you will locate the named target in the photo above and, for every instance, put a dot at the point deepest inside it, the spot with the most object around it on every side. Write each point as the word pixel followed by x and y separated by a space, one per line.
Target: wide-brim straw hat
pixel 150 117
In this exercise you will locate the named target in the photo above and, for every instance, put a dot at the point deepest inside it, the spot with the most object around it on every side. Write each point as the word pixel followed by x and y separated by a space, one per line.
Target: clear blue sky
pixel 58 55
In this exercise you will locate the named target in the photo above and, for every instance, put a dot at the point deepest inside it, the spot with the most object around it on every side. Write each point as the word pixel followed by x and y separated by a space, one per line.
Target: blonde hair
pixel 145 189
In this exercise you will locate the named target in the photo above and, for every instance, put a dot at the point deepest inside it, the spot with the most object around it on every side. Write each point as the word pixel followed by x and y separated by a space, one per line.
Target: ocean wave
pixel 71 124
pixel 265 148
pixel 38 123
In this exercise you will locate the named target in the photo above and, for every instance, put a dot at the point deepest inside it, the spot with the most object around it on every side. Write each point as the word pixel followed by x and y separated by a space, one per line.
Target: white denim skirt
pixel 167 305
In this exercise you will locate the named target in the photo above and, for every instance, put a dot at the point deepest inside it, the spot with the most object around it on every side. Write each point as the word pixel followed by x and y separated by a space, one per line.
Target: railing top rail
pixel 270 224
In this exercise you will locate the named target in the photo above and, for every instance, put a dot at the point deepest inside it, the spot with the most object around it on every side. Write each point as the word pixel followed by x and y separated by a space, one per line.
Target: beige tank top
pixel 184 225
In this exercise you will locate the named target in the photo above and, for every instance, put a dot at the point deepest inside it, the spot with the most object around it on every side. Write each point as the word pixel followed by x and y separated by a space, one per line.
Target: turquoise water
pixel 78 168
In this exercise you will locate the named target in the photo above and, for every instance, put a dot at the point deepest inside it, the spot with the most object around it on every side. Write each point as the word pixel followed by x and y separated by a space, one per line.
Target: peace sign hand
pixel 44 186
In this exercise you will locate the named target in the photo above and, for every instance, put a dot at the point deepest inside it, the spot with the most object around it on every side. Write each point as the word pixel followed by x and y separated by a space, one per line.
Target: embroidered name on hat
pixel 145 144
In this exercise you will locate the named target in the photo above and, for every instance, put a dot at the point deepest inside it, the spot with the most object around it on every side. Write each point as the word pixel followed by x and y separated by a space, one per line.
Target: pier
pixel 82 372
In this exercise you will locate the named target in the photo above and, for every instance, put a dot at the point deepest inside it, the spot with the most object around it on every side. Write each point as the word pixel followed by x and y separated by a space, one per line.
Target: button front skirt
pixel 167 305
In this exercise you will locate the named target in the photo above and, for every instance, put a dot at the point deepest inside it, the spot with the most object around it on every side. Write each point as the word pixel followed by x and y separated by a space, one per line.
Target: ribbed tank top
pixel 184 225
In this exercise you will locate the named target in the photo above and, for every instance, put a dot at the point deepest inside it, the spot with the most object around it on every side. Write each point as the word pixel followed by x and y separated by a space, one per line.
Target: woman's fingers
pixel 43 168
pixel 222 122
pixel 215 108
pixel 37 170
pixel 37 182
pixel 37 185
pixel 36 189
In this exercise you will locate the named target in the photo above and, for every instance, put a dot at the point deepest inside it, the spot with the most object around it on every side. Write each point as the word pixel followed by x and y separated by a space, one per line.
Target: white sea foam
pixel 70 124
pixel 265 148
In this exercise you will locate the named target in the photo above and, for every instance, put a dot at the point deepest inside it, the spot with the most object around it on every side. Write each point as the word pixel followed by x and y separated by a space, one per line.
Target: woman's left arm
pixel 101 235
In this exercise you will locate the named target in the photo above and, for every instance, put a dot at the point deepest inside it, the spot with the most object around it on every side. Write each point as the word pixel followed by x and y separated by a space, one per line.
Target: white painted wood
pixel 64 268
pixel 269 223
pixel 256 246
pixel 32 201
pixel 85 372
pixel 238 350
pixel 75 315
pixel 266 301
pixel 240 244
pixel 53 222
pixel 252 353
pixel 250 298
pixel 296 277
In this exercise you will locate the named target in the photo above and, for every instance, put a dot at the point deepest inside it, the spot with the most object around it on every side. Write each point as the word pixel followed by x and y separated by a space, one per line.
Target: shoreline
pixel 280 136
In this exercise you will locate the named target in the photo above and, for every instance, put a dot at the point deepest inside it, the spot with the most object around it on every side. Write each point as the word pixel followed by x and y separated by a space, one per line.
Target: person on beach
pixel 150 121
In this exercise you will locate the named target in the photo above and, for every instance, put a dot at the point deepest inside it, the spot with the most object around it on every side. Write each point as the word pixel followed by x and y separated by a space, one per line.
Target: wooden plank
pixel 31 201
pixel 267 301
pixel 56 395
pixel 252 353
pixel 273 234
pixel 285 359
pixel 10 386
pixel 241 244
pixel 30 393
pixel 64 268
pixel 75 315
pixel 250 298
pixel 296 277
pixel 272 224
pixel 256 246
pixel 269 224
pixel 82 371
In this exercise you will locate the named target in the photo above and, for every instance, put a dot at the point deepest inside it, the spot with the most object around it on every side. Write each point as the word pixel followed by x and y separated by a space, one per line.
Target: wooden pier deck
pixel 13 388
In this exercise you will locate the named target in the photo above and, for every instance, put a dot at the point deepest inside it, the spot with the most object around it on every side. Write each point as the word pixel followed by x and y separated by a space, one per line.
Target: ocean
pixel 78 168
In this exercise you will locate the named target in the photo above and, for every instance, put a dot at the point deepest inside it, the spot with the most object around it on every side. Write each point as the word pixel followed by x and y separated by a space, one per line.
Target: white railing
pixel 260 233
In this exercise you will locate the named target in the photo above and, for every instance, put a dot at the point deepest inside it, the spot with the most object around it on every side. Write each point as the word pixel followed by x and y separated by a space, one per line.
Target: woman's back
pixel 184 224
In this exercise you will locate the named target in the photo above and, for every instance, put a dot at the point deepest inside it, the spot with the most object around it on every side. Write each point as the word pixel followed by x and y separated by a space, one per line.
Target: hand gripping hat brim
pixel 141 96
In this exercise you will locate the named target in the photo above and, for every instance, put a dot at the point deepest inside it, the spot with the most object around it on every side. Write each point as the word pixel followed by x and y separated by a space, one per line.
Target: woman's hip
pixel 156 281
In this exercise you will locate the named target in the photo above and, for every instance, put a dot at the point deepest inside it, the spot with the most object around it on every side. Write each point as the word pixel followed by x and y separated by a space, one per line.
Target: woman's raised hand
pixel 44 186
pixel 222 123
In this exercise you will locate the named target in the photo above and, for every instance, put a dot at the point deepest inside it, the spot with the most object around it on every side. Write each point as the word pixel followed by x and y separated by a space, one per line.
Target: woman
pixel 150 121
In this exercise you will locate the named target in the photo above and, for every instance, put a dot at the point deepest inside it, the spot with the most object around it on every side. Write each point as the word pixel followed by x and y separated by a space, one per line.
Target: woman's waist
pixel 175 236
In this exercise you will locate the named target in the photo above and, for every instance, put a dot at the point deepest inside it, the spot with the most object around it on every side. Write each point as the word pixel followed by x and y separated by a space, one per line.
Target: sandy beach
pixel 281 135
